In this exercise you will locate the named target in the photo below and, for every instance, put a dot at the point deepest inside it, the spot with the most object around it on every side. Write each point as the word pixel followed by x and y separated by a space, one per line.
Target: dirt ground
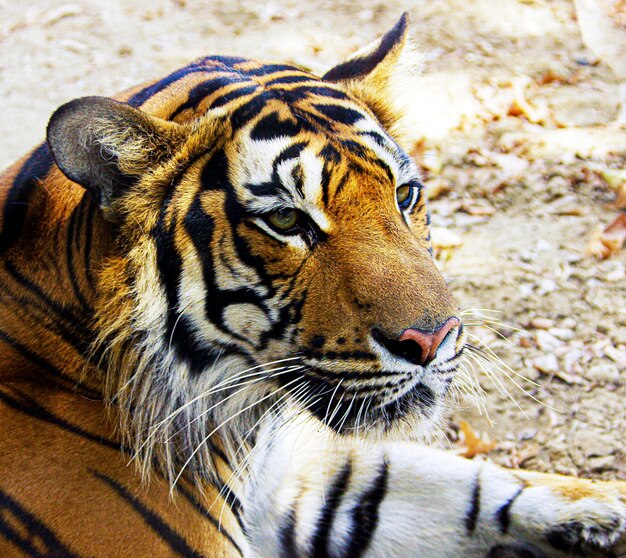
pixel 513 130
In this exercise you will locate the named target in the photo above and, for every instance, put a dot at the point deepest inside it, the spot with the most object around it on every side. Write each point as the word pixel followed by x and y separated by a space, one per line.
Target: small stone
pixel 618 335
pixel 568 323
pixel 570 358
pixel 541 323
pixel 543 245
pixel 601 464
pixel 546 341
pixel 593 443
pixel 562 333
pixel 615 355
pixel 528 434
pixel 603 372
pixel 614 271
pixel 526 342
pixel 546 286
pixel 548 364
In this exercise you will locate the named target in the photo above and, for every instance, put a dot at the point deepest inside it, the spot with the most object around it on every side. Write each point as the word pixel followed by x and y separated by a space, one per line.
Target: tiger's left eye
pixel 403 196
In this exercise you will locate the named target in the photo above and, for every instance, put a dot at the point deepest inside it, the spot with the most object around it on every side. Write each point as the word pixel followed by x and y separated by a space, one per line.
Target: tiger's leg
pixel 311 495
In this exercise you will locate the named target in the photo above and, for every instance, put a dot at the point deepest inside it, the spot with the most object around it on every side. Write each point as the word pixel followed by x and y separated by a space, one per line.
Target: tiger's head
pixel 272 249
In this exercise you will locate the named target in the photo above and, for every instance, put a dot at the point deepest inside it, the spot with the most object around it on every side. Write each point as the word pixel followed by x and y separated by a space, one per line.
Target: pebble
pixel 615 355
pixel 603 372
pixel 593 443
pixel 600 464
pixel 568 323
pixel 562 333
pixel 570 358
pixel 528 434
pixel 541 323
pixel 613 270
pixel 546 341
pixel 546 286
pixel 546 364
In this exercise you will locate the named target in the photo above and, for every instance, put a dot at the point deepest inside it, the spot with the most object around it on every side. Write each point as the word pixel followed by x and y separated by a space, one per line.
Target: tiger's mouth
pixel 359 403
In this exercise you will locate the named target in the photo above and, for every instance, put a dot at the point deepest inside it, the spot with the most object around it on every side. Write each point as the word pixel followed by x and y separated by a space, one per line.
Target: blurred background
pixel 515 128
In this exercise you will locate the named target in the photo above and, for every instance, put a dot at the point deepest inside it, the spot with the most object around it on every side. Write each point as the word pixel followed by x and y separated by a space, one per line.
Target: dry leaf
pixel 608 242
pixel 522 107
pixel 474 445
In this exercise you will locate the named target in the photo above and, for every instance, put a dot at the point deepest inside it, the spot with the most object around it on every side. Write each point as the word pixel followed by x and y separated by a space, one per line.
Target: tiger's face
pixel 334 225
pixel 272 235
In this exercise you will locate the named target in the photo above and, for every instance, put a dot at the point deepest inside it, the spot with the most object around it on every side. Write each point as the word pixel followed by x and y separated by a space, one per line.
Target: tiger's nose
pixel 416 345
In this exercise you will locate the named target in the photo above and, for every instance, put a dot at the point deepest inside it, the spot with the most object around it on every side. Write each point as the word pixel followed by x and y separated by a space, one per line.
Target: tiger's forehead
pixel 289 130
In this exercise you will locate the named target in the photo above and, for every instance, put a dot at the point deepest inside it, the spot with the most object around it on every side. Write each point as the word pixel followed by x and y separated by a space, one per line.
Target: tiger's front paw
pixel 573 516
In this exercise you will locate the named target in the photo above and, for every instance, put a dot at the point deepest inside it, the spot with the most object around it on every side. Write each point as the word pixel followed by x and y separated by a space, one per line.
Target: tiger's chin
pixel 412 414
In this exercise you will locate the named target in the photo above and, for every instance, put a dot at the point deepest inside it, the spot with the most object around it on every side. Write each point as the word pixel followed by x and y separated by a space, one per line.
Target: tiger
pixel 223 333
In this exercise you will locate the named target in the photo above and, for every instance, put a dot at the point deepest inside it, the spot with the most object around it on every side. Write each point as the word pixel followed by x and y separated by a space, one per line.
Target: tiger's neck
pixel 52 242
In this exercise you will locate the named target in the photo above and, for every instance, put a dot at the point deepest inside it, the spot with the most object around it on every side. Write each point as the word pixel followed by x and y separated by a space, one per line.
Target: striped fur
pixel 151 310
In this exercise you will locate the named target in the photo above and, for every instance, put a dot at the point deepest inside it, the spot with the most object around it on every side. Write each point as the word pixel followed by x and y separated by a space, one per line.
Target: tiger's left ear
pixel 382 75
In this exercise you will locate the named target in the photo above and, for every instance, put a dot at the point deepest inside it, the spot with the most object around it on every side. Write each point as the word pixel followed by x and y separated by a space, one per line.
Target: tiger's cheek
pixel 279 260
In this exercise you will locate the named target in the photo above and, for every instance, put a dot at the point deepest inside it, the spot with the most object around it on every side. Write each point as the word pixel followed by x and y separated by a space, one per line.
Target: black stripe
pixel 34 169
pixel 331 157
pixel 377 138
pixel 272 126
pixel 174 540
pixel 232 95
pixel 200 508
pixel 291 152
pixel 503 514
pixel 471 516
pixel 365 64
pixel 72 243
pixel 365 514
pixel 179 331
pixel 87 238
pixel 57 308
pixel 205 89
pixel 286 80
pixel 301 92
pixel 49 368
pixel 321 537
pixel 52 308
pixel 275 185
pixel 339 113
pixel 340 186
pixel 287 536
pixel 200 228
pixel 142 96
pixel 32 408
pixel 248 111
pixel 341 355
pixel 515 550
pixel 350 375
pixel 229 496
pixel 267 69
pixel 214 175
pixel 29 533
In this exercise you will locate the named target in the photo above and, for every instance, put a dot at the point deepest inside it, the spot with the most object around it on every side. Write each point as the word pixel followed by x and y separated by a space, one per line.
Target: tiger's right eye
pixel 283 220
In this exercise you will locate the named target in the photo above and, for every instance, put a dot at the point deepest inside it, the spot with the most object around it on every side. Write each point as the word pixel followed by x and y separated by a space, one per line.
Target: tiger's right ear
pixel 105 145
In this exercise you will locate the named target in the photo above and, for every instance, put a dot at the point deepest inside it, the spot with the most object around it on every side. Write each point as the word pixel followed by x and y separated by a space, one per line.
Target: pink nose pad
pixel 429 341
